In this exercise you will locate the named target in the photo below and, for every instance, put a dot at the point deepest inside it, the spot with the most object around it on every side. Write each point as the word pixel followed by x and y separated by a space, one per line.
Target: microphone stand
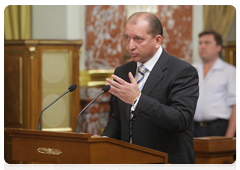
pixel 77 129
pixel 39 120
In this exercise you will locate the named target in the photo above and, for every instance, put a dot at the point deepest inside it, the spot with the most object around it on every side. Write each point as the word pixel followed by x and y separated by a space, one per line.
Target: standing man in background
pixel 155 95
pixel 216 109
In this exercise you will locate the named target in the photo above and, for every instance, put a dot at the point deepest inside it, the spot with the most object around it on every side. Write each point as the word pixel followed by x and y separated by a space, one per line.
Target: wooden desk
pixel 78 148
pixel 214 150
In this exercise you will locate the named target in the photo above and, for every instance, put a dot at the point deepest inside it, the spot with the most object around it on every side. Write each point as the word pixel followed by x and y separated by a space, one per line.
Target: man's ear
pixel 158 40
pixel 219 48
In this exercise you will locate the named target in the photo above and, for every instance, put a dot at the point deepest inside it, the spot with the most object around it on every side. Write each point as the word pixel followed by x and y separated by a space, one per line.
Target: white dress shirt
pixel 149 65
pixel 217 92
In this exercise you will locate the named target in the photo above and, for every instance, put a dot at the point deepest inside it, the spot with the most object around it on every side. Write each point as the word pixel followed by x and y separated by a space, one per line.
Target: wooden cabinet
pixel 214 150
pixel 229 52
pixel 36 72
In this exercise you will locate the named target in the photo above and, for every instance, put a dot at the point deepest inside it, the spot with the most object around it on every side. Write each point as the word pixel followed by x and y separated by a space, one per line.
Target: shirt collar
pixel 152 61
pixel 218 65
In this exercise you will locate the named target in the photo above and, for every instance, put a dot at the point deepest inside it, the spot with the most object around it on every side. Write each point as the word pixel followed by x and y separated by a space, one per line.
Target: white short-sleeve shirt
pixel 217 92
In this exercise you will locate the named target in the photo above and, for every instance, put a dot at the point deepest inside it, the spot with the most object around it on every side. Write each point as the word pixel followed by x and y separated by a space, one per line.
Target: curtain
pixel 17 22
pixel 219 18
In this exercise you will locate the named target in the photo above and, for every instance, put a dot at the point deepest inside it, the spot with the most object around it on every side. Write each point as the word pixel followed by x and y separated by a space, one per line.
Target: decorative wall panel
pixel 105 44
pixel 105 40
pixel 95 118
pixel 14 93
pixel 56 72
pixel 177 30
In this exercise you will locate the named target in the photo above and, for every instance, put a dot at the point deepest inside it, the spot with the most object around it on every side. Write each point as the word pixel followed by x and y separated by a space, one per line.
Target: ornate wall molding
pixel 94 78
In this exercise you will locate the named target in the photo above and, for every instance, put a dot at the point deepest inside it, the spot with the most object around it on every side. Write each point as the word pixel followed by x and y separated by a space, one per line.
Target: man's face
pixel 141 45
pixel 208 48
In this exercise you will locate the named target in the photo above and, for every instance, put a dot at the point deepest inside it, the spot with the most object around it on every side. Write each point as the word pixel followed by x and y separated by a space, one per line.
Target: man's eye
pixel 139 39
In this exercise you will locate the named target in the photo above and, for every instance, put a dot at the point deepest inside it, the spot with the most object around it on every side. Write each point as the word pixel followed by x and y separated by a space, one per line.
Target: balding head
pixel 154 27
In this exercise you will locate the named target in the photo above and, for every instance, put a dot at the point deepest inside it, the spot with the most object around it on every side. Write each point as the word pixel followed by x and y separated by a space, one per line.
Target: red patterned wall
pixel 177 30
pixel 105 40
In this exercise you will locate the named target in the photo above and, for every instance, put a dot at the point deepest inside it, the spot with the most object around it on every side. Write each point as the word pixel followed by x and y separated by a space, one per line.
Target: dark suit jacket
pixel 163 118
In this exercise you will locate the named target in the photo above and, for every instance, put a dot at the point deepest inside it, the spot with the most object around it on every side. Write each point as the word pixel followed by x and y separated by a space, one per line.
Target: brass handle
pixel 32 52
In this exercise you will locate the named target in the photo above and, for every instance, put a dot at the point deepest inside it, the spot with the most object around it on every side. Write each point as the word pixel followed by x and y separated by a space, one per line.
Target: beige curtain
pixel 219 18
pixel 17 22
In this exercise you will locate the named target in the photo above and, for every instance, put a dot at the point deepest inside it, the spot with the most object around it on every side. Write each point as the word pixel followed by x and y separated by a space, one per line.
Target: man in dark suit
pixel 159 115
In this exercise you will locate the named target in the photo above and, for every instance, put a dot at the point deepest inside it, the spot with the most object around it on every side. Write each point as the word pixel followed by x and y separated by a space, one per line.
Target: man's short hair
pixel 155 26
pixel 217 36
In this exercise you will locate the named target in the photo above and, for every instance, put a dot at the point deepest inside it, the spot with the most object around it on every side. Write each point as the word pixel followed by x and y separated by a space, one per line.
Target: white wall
pixel 197 27
pixel 74 18
pixel 49 22
pixel 60 22
pixel 76 28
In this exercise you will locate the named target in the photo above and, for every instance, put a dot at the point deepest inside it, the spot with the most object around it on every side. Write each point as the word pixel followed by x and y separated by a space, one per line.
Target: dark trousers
pixel 210 128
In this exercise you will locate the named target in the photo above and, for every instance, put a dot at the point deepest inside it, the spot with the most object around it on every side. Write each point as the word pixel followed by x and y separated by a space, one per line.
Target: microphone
pixel 70 89
pixel 105 89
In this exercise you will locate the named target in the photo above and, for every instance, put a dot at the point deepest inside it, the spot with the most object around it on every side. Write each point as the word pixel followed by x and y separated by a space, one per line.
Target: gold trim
pixel 32 51
pixel 64 42
pixel 231 57
pixel 49 151
pixel 55 50
pixel 64 129
pixel 95 83
pixel 99 72
pixel 230 43
pixel 20 42
pixel 45 42
pixel 94 78
pixel 223 53
pixel 20 90
pixel 70 80
pixel 79 52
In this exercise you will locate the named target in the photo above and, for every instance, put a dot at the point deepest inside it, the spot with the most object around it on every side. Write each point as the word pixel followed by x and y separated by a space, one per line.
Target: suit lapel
pixel 156 74
pixel 132 69
pixel 154 77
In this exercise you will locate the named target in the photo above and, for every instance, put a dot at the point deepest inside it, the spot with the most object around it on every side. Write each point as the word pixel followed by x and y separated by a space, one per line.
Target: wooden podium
pixel 214 150
pixel 73 148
